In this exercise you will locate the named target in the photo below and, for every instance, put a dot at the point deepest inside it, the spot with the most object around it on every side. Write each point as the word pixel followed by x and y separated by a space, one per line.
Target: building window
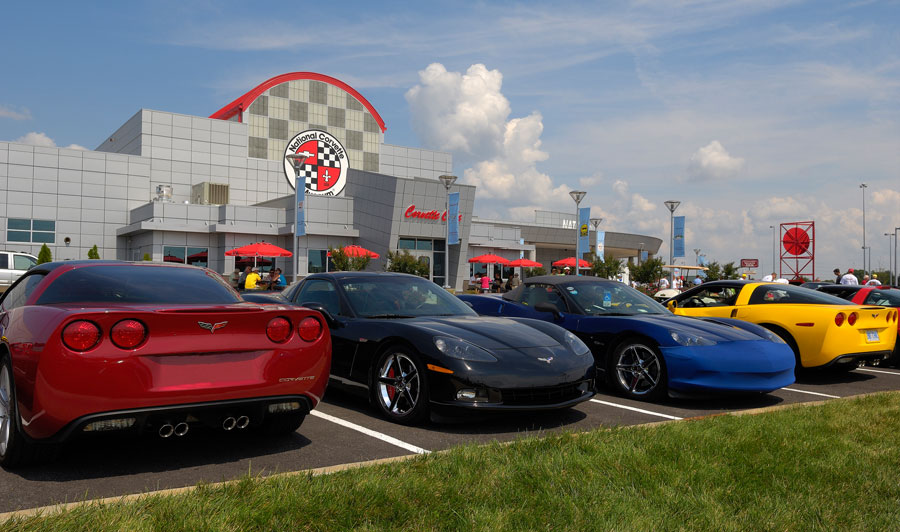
pixel 318 92
pixel 336 117
pixel 319 261
pixel 299 111
pixel 278 129
pixel 369 124
pixel 186 255
pixel 370 162
pixel 37 231
pixel 258 148
pixel 260 106
pixel 280 90
pixel 354 140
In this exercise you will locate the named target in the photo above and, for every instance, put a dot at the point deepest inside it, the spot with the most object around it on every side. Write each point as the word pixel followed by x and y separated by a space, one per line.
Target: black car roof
pixel 566 279
pixel 344 275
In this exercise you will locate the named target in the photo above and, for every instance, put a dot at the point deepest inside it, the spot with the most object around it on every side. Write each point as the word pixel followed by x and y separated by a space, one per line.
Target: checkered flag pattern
pixel 309 172
pixel 328 157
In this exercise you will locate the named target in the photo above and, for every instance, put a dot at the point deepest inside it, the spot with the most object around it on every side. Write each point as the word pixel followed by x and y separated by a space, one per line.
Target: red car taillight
pixel 839 319
pixel 278 330
pixel 80 335
pixel 128 334
pixel 309 329
pixel 852 318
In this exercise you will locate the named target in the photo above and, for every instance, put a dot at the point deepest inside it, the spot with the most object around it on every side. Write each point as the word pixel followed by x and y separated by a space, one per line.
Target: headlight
pixel 772 337
pixel 456 348
pixel 689 340
pixel 576 345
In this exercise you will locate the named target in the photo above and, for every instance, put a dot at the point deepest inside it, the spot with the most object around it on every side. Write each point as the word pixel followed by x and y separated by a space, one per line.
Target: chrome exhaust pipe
pixel 229 423
pixel 166 431
pixel 242 422
pixel 181 429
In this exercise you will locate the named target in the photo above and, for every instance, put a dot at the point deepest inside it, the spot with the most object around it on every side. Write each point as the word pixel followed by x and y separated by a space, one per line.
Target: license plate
pixel 871 336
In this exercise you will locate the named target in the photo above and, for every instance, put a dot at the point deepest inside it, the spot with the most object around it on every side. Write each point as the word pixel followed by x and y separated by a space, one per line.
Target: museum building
pixel 182 188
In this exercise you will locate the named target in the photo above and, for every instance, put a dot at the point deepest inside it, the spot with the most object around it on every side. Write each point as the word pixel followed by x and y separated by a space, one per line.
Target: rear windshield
pixel 128 283
pixel 785 293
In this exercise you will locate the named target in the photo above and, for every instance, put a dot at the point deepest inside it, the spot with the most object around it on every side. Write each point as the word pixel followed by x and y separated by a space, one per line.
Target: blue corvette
pixel 642 349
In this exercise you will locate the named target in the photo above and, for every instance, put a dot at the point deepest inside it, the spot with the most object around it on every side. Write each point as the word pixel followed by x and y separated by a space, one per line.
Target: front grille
pixel 547 395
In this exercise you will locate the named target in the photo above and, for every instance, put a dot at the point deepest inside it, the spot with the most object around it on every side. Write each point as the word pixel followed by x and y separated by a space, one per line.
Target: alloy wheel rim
pixel 638 369
pixel 5 409
pixel 398 385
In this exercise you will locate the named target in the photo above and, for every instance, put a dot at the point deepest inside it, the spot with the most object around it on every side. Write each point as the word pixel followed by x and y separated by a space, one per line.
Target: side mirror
pixel 671 305
pixel 471 306
pixel 546 306
pixel 320 308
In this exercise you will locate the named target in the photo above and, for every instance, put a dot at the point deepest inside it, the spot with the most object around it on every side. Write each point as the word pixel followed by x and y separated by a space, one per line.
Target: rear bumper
pixel 149 420
pixel 857 358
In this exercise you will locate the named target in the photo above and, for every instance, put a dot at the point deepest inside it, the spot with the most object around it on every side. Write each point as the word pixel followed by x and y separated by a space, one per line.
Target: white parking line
pixel 372 433
pixel 879 371
pixel 635 409
pixel 812 393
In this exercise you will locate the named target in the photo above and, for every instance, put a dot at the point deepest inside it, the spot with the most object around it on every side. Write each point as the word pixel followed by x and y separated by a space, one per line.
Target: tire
pixel 282 424
pixel 399 388
pixel 15 450
pixel 637 370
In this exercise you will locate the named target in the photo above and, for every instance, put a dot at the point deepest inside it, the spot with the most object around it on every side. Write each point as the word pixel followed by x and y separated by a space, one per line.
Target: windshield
pixel 785 293
pixel 141 284
pixel 400 296
pixel 598 299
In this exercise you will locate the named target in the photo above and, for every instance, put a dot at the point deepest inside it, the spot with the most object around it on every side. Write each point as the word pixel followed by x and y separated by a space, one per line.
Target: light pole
pixel 774 250
pixel 896 280
pixel 577 195
pixel 863 186
pixel 296 160
pixel 595 223
pixel 891 265
pixel 448 181
pixel 672 205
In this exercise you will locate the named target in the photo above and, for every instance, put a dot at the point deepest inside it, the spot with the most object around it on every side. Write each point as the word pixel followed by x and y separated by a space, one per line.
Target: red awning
pixel 525 263
pixel 259 249
pixel 489 259
pixel 570 262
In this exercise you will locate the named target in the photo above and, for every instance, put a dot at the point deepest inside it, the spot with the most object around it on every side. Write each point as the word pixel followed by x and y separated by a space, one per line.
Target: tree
pixel 93 253
pixel 648 272
pixel 534 272
pixel 607 269
pixel 345 263
pixel 730 271
pixel 44 255
pixel 714 273
pixel 147 257
pixel 406 263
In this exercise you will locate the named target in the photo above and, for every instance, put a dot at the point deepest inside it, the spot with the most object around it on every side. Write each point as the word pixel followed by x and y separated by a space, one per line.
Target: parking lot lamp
pixel 672 205
pixel 448 181
pixel 296 160
pixel 896 280
pixel 863 186
pixel 774 250
pixel 577 195
pixel 595 223
pixel 890 264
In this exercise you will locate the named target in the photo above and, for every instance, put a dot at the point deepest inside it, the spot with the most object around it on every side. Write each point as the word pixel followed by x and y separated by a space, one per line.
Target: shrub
pixel 44 255
pixel 405 263
pixel 93 253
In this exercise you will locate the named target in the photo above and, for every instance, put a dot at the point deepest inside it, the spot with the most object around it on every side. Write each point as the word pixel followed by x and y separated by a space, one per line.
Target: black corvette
pixel 412 348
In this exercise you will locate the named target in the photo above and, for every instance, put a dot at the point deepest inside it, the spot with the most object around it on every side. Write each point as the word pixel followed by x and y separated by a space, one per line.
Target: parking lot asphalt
pixel 345 429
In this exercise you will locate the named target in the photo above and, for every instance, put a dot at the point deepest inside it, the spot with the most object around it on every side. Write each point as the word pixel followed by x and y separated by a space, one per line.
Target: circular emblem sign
pixel 795 241
pixel 323 164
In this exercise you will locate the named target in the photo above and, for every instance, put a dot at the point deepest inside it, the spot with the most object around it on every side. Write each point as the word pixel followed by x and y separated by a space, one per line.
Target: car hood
pixel 713 331
pixel 487 332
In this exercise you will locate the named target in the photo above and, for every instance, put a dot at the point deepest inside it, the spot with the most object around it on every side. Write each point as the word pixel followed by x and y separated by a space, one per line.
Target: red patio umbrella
pixel 525 263
pixel 358 251
pixel 570 262
pixel 259 249
pixel 489 259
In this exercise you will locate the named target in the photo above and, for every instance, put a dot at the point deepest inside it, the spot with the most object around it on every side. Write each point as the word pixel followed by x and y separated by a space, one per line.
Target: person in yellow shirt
pixel 252 279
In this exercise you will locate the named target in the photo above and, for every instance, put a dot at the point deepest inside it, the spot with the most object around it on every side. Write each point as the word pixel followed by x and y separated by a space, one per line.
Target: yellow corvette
pixel 821 329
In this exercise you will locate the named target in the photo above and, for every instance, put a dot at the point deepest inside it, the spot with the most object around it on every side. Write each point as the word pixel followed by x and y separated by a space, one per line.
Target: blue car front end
pixel 738 366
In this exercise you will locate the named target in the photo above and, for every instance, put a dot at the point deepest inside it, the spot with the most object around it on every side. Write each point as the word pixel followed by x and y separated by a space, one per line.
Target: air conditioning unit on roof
pixel 207 193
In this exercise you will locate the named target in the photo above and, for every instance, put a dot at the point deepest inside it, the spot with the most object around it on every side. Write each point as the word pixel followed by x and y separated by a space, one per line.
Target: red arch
pixel 244 101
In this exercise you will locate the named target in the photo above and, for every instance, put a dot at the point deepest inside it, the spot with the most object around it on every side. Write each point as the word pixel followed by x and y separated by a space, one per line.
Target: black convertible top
pixel 566 279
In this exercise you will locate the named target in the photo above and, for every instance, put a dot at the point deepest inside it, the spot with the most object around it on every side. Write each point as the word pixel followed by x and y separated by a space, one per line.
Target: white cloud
pixel 591 181
pixel 468 115
pixel 40 139
pixel 713 163
pixel 7 112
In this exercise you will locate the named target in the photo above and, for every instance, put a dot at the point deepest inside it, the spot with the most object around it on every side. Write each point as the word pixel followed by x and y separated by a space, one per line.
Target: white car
pixel 665 294
pixel 12 265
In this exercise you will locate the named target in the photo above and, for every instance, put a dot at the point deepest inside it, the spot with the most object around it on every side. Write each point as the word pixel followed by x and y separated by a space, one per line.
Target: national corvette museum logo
pixel 325 164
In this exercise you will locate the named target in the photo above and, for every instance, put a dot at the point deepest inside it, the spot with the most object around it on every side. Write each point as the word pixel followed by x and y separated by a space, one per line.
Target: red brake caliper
pixel 391 390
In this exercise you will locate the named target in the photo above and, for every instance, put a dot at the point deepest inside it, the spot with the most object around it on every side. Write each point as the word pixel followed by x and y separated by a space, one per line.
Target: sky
pixel 751 113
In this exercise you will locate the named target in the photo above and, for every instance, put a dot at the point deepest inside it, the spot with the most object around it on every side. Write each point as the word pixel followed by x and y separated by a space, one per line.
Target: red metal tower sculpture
pixel 798 250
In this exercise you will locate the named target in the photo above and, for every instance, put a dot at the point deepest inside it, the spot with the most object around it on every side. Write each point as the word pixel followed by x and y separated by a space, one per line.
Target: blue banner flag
pixel 601 241
pixel 453 220
pixel 584 242
pixel 300 226
pixel 643 256
pixel 678 247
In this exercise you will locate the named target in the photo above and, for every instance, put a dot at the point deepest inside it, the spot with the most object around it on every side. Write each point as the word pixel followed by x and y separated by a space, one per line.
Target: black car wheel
pixel 15 450
pixel 399 388
pixel 637 370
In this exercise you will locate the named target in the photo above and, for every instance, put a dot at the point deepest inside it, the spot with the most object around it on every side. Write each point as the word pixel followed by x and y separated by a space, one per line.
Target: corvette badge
pixel 212 327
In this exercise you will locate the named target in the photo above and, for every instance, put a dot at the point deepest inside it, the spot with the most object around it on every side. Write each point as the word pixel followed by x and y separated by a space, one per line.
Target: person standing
pixel 874 280
pixel 849 278
pixel 663 283
pixel 837 276
pixel 485 284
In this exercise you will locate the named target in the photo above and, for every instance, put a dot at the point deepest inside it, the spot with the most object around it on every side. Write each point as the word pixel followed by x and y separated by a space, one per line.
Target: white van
pixel 12 265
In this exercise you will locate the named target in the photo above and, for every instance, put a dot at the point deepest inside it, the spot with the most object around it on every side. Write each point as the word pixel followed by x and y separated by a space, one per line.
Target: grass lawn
pixel 830 467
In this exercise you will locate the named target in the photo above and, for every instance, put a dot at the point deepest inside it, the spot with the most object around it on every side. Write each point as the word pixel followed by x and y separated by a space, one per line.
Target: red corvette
pixel 883 296
pixel 103 346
